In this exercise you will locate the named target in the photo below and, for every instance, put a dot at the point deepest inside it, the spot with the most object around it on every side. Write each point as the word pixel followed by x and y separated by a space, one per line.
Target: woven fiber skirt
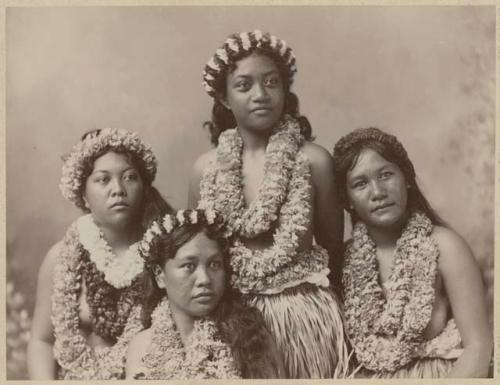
pixel 307 324
pixel 421 368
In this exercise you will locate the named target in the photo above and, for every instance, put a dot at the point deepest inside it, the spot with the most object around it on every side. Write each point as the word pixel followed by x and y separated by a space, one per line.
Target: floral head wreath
pixel 245 42
pixel 94 143
pixel 170 222
pixel 356 140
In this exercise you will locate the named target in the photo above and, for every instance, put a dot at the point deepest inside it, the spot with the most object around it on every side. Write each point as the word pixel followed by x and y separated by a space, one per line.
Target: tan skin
pixel 256 82
pixel 113 179
pixel 376 182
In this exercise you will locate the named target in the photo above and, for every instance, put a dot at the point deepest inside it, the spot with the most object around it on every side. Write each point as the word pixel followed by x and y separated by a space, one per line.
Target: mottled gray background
pixel 426 74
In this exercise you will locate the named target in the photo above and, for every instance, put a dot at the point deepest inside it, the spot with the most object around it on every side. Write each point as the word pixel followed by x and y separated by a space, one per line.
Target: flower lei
pixel 285 193
pixel 118 272
pixel 204 356
pixel 76 359
pixel 107 138
pixel 387 333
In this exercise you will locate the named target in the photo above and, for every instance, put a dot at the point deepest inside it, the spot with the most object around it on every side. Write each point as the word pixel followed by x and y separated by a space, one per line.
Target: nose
pixel 377 190
pixel 117 188
pixel 202 276
pixel 260 93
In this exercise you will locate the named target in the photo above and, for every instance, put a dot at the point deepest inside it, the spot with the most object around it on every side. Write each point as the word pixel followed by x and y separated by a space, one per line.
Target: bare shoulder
pixel 453 249
pixel 318 155
pixel 50 259
pixel 203 161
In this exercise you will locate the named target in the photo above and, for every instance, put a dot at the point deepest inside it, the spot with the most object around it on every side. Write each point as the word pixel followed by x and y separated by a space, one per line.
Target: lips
pixel 205 296
pixel 262 109
pixel 119 205
pixel 382 206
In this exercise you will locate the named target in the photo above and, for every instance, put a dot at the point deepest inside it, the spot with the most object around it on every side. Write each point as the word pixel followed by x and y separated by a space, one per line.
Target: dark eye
pixel 189 266
pixel 272 81
pixel 359 184
pixel 101 179
pixel 216 264
pixel 131 176
pixel 386 174
pixel 243 85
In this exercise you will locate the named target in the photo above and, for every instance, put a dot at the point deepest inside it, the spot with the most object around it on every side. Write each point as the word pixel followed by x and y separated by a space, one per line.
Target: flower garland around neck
pixel 76 359
pixel 204 356
pixel 387 330
pixel 262 270
pixel 118 272
pixel 281 150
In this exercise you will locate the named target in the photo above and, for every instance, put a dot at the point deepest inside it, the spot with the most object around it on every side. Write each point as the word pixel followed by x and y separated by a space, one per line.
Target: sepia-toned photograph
pixel 245 192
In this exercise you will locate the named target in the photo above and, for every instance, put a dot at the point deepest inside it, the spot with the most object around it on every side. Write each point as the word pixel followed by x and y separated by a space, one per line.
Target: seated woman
pixel 414 300
pixel 195 329
pixel 89 282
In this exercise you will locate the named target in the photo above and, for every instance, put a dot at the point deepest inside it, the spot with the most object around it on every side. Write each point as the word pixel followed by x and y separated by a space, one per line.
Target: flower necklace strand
pixel 386 331
pixel 204 356
pixel 285 192
pixel 77 359
pixel 118 272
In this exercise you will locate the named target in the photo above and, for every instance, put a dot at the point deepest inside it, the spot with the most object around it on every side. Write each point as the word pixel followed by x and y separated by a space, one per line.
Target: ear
pixel 86 202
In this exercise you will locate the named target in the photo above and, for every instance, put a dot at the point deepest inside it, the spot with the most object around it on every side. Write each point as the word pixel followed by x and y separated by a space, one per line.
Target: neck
pixel 254 141
pixel 120 238
pixel 183 322
pixel 386 236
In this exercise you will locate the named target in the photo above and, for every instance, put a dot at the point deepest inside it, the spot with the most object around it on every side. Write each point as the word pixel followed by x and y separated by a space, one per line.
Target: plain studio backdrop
pixel 425 74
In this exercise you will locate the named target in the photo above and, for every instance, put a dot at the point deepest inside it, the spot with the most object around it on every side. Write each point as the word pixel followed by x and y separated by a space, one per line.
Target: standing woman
pixel 89 283
pixel 274 188
pixel 414 299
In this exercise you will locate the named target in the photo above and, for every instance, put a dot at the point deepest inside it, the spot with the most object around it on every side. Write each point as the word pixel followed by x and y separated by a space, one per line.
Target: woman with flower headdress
pixel 89 283
pixel 194 327
pixel 274 188
pixel 414 300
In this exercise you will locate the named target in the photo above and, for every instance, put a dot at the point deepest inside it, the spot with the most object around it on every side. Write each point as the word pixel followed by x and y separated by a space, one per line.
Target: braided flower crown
pixel 93 144
pixel 166 225
pixel 238 44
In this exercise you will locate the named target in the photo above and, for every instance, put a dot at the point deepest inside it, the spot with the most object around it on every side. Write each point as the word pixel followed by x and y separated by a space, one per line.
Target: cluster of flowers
pixel 242 44
pixel 387 330
pixel 205 356
pixel 108 138
pixel 76 358
pixel 285 192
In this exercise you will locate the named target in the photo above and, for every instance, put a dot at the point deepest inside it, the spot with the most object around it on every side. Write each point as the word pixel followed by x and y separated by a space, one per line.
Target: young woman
pixel 274 188
pixel 194 328
pixel 414 300
pixel 89 282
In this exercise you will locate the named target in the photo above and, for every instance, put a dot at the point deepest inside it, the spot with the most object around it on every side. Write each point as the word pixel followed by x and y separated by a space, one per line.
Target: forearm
pixel 41 362
pixel 473 363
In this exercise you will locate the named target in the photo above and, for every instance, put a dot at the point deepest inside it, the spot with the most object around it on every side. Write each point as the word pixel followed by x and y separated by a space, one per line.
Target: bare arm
pixel 136 350
pixel 465 290
pixel 196 175
pixel 328 213
pixel 41 362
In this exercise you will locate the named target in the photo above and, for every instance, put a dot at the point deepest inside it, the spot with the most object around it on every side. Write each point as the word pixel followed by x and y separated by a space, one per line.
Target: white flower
pixel 180 217
pixel 193 217
pixel 167 223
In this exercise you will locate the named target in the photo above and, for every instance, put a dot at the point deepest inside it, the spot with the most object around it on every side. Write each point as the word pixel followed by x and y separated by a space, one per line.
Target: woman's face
pixel 255 93
pixel 114 191
pixel 195 277
pixel 376 189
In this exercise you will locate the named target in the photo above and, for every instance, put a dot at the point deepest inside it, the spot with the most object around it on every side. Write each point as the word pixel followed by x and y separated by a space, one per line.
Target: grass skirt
pixel 307 324
pixel 420 368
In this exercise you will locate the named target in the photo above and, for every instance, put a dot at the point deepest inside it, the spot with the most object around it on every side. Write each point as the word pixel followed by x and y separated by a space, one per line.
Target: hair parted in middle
pixel 235 48
pixel 345 156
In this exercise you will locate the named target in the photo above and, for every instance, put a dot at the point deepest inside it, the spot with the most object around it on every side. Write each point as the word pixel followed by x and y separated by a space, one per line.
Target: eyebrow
pixel 107 171
pixel 270 72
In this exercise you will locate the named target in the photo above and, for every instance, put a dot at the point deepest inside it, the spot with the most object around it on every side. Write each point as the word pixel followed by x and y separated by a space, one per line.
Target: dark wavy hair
pixel 240 326
pixel 223 119
pixel 345 156
pixel 154 205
